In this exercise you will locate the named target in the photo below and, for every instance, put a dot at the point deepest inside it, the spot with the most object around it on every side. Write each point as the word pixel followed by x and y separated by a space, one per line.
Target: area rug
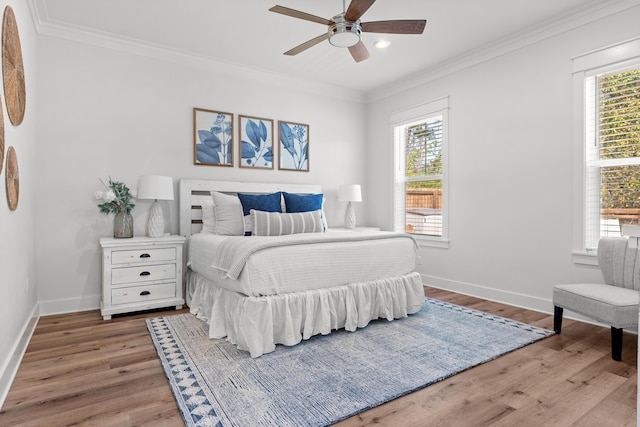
pixel 326 378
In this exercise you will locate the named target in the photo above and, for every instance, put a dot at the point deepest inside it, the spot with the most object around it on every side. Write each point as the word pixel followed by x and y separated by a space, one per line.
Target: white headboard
pixel 193 191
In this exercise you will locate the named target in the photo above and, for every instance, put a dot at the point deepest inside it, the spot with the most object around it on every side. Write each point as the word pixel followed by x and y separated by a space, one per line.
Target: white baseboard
pixel 529 302
pixel 10 368
pixel 70 305
pixel 543 305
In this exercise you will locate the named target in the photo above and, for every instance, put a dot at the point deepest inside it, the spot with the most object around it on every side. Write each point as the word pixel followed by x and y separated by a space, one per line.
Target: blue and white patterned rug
pixel 327 378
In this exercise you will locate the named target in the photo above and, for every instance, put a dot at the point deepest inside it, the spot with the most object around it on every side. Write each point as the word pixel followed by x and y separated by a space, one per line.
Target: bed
pixel 280 287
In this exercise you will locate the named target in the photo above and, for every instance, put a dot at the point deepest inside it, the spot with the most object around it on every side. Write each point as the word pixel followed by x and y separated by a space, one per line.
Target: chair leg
pixel 616 344
pixel 557 319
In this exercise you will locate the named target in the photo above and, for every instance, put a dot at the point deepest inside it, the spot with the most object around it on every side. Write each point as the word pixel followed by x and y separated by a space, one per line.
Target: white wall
pixel 104 112
pixel 18 280
pixel 511 177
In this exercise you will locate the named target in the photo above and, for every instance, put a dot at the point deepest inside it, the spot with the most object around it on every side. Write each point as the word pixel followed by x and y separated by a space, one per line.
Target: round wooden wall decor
pixel 12 68
pixel 1 140
pixel 13 182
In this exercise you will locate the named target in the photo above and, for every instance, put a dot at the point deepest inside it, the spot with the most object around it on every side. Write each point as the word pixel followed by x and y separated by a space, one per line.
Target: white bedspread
pixel 231 255
pixel 285 264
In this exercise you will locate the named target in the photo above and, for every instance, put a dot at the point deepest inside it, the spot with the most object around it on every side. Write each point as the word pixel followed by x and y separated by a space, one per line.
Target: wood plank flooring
pixel 81 370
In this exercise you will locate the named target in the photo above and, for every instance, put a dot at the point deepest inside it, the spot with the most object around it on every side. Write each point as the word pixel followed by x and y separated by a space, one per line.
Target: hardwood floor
pixel 81 370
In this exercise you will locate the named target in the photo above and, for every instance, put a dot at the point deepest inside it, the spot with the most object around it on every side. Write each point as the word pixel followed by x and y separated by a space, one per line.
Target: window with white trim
pixel 420 141
pixel 610 134
pixel 612 152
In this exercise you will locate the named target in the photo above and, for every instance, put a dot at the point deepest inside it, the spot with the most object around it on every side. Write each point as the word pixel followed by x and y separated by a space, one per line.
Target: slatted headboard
pixel 193 191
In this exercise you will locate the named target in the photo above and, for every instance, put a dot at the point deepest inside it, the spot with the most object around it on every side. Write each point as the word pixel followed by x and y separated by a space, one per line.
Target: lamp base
pixel 155 224
pixel 350 217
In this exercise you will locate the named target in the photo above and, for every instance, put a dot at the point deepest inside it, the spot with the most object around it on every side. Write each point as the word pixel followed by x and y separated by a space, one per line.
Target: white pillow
pixel 208 217
pixel 279 224
pixel 227 212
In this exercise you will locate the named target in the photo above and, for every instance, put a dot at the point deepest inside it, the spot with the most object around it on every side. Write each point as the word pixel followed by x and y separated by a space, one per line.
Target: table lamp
pixel 155 188
pixel 350 193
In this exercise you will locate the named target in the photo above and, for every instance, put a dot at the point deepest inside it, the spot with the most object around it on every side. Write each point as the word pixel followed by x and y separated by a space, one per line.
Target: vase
pixel 123 225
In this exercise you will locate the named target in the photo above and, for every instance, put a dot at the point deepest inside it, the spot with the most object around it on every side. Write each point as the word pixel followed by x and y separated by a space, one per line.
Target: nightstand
pixel 141 273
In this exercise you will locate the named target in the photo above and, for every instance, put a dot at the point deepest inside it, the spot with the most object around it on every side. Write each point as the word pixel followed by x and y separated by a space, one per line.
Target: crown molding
pixel 593 11
pixel 48 27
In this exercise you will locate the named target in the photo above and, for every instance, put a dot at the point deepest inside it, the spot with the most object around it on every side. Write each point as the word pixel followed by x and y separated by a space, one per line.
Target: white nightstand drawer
pixel 144 273
pixel 143 255
pixel 143 293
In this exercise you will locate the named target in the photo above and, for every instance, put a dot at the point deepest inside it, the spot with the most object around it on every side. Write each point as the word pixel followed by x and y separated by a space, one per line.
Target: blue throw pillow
pixel 258 202
pixel 305 203
pixel 302 202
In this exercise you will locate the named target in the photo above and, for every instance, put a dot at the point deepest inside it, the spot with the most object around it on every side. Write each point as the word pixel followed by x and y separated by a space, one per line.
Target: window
pixel 608 82
pixel 420 138
pixel 612 153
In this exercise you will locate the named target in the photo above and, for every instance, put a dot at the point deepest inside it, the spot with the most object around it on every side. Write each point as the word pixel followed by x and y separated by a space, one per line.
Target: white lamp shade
pixel 155 187
pixel 350 193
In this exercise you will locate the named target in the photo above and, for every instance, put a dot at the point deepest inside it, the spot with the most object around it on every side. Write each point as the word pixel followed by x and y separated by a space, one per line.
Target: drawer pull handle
pixel 145 273
pixel 145 293
pixel 145 256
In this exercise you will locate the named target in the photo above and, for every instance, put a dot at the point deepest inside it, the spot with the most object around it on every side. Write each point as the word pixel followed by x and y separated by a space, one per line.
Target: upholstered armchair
pixel 614 303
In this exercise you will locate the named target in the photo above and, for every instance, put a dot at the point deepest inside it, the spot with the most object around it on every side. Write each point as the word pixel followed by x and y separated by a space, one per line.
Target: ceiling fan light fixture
pixel 344 33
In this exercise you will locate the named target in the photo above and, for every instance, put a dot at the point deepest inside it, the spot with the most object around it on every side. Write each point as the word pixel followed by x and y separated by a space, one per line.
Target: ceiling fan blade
pixel 300 15
pixel 406 26
pixel 359 51
pixel 357 8
pixel 306 45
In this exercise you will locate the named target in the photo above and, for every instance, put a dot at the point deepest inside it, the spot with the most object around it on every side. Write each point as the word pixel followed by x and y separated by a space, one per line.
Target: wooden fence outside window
pixel 431 198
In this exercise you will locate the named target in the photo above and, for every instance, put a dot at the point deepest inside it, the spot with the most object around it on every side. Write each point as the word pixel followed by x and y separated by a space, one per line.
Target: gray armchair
pixel 614 303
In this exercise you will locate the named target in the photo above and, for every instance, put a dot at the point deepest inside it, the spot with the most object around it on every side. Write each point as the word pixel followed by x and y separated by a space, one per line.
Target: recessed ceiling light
pixel 381 44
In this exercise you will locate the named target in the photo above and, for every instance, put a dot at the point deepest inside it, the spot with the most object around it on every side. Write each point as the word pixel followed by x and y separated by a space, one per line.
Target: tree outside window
pixel 423 177
pixel 613 153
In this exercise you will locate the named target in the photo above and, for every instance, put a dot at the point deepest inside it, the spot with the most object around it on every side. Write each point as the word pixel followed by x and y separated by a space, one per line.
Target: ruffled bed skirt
pixel 257 324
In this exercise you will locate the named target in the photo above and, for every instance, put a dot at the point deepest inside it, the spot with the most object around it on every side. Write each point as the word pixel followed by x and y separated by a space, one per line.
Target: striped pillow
pixel 279 224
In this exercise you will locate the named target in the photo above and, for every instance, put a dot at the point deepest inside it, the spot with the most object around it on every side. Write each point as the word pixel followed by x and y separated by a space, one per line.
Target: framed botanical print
pixel 294 146
pixel 213 138
pixel 256 142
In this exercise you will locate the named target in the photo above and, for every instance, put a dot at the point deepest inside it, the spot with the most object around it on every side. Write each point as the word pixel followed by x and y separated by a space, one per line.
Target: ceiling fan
pixel 345 29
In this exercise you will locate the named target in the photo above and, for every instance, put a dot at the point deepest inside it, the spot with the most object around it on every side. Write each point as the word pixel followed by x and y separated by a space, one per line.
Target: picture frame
pixel 255 147
pixel 212 138
pixel 293 146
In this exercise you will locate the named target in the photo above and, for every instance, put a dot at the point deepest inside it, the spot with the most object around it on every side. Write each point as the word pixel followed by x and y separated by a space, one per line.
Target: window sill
pixel 431 242
pixel 584 258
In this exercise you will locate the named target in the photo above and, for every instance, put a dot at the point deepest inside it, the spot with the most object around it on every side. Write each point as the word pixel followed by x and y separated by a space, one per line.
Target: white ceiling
pixel 245 33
